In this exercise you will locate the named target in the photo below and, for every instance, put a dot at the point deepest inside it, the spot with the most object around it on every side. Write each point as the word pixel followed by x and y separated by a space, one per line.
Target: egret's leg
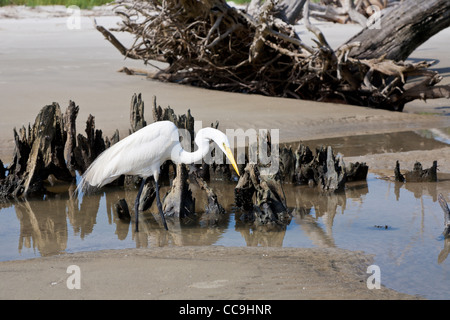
pixel 158 203
pixel 136 203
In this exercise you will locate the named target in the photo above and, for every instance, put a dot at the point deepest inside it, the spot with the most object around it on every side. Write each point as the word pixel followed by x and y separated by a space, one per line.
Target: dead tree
pixel 209 44
pixel 402 29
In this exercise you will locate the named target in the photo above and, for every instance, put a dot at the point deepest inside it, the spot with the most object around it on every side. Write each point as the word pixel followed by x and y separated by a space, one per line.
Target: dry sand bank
pixel 42 61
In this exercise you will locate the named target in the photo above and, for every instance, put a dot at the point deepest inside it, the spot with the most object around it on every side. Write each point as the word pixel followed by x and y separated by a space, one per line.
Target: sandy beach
pixel 42 61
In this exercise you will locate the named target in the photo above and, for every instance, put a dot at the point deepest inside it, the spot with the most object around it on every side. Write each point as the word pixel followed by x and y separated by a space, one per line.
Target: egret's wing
pixel 444 207
pixel 137 154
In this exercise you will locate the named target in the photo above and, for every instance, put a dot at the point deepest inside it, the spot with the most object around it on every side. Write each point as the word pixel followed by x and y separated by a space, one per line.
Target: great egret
pixel 143 152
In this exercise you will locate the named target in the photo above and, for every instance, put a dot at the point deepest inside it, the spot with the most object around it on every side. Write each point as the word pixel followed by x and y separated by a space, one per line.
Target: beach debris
pixel 382 226
pixel 213 45
pixel 417 174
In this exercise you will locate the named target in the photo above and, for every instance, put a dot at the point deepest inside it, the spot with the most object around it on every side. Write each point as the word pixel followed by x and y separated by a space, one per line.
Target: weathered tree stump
pixel 89 147
pixel 38 155
pixel 417 174
pixel 70 131
pixel 137 120
pixel 270 203
pixel 322 169
pixel 213 206
pixel 357 171
pixel 178 202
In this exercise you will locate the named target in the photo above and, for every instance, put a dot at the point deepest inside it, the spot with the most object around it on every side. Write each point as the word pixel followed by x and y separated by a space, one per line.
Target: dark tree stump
pixel 70 131
pixel 137 113
pixel 178 202
pixel 270 203
pixel 89 147
pixel 39 155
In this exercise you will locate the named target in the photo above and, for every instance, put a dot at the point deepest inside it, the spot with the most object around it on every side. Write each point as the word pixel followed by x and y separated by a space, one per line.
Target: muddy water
pixel 400 224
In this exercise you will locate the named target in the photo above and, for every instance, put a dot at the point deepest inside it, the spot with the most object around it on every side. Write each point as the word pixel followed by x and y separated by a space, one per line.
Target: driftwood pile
pixel 209 44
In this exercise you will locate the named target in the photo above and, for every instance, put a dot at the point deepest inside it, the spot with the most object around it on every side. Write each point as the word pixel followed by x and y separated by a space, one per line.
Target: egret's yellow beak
pixel 230 156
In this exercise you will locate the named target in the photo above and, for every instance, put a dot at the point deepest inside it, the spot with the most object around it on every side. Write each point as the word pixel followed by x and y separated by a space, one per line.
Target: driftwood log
pixel 338 11
pixel 209 44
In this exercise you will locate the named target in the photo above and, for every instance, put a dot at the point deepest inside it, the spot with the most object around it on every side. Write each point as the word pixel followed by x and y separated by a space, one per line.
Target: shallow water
pixel 400 224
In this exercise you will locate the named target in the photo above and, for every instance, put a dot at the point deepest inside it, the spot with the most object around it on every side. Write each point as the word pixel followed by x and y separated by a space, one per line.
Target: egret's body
pixel 143 152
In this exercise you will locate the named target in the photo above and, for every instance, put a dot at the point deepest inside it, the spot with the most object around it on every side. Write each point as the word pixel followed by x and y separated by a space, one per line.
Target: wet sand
pixel 196 273
pixel 42 61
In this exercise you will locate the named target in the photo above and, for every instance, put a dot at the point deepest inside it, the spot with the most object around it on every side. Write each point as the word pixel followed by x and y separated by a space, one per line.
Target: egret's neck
pixel 183 156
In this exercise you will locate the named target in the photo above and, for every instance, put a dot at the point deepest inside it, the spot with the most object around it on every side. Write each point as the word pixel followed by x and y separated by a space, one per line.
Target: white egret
pixel 143 152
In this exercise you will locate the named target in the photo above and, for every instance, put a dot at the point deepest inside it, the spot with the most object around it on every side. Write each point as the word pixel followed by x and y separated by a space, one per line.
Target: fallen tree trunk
pixel 402 29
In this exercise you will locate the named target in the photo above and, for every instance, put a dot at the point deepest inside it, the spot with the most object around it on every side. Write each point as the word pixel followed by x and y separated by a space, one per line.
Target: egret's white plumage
pixel 143 152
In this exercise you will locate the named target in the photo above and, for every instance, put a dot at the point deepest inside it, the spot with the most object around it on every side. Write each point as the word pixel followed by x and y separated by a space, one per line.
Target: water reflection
pixel 44 224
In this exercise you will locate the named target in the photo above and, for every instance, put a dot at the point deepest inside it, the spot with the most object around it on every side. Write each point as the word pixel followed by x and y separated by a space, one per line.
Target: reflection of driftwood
pixel 417 174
